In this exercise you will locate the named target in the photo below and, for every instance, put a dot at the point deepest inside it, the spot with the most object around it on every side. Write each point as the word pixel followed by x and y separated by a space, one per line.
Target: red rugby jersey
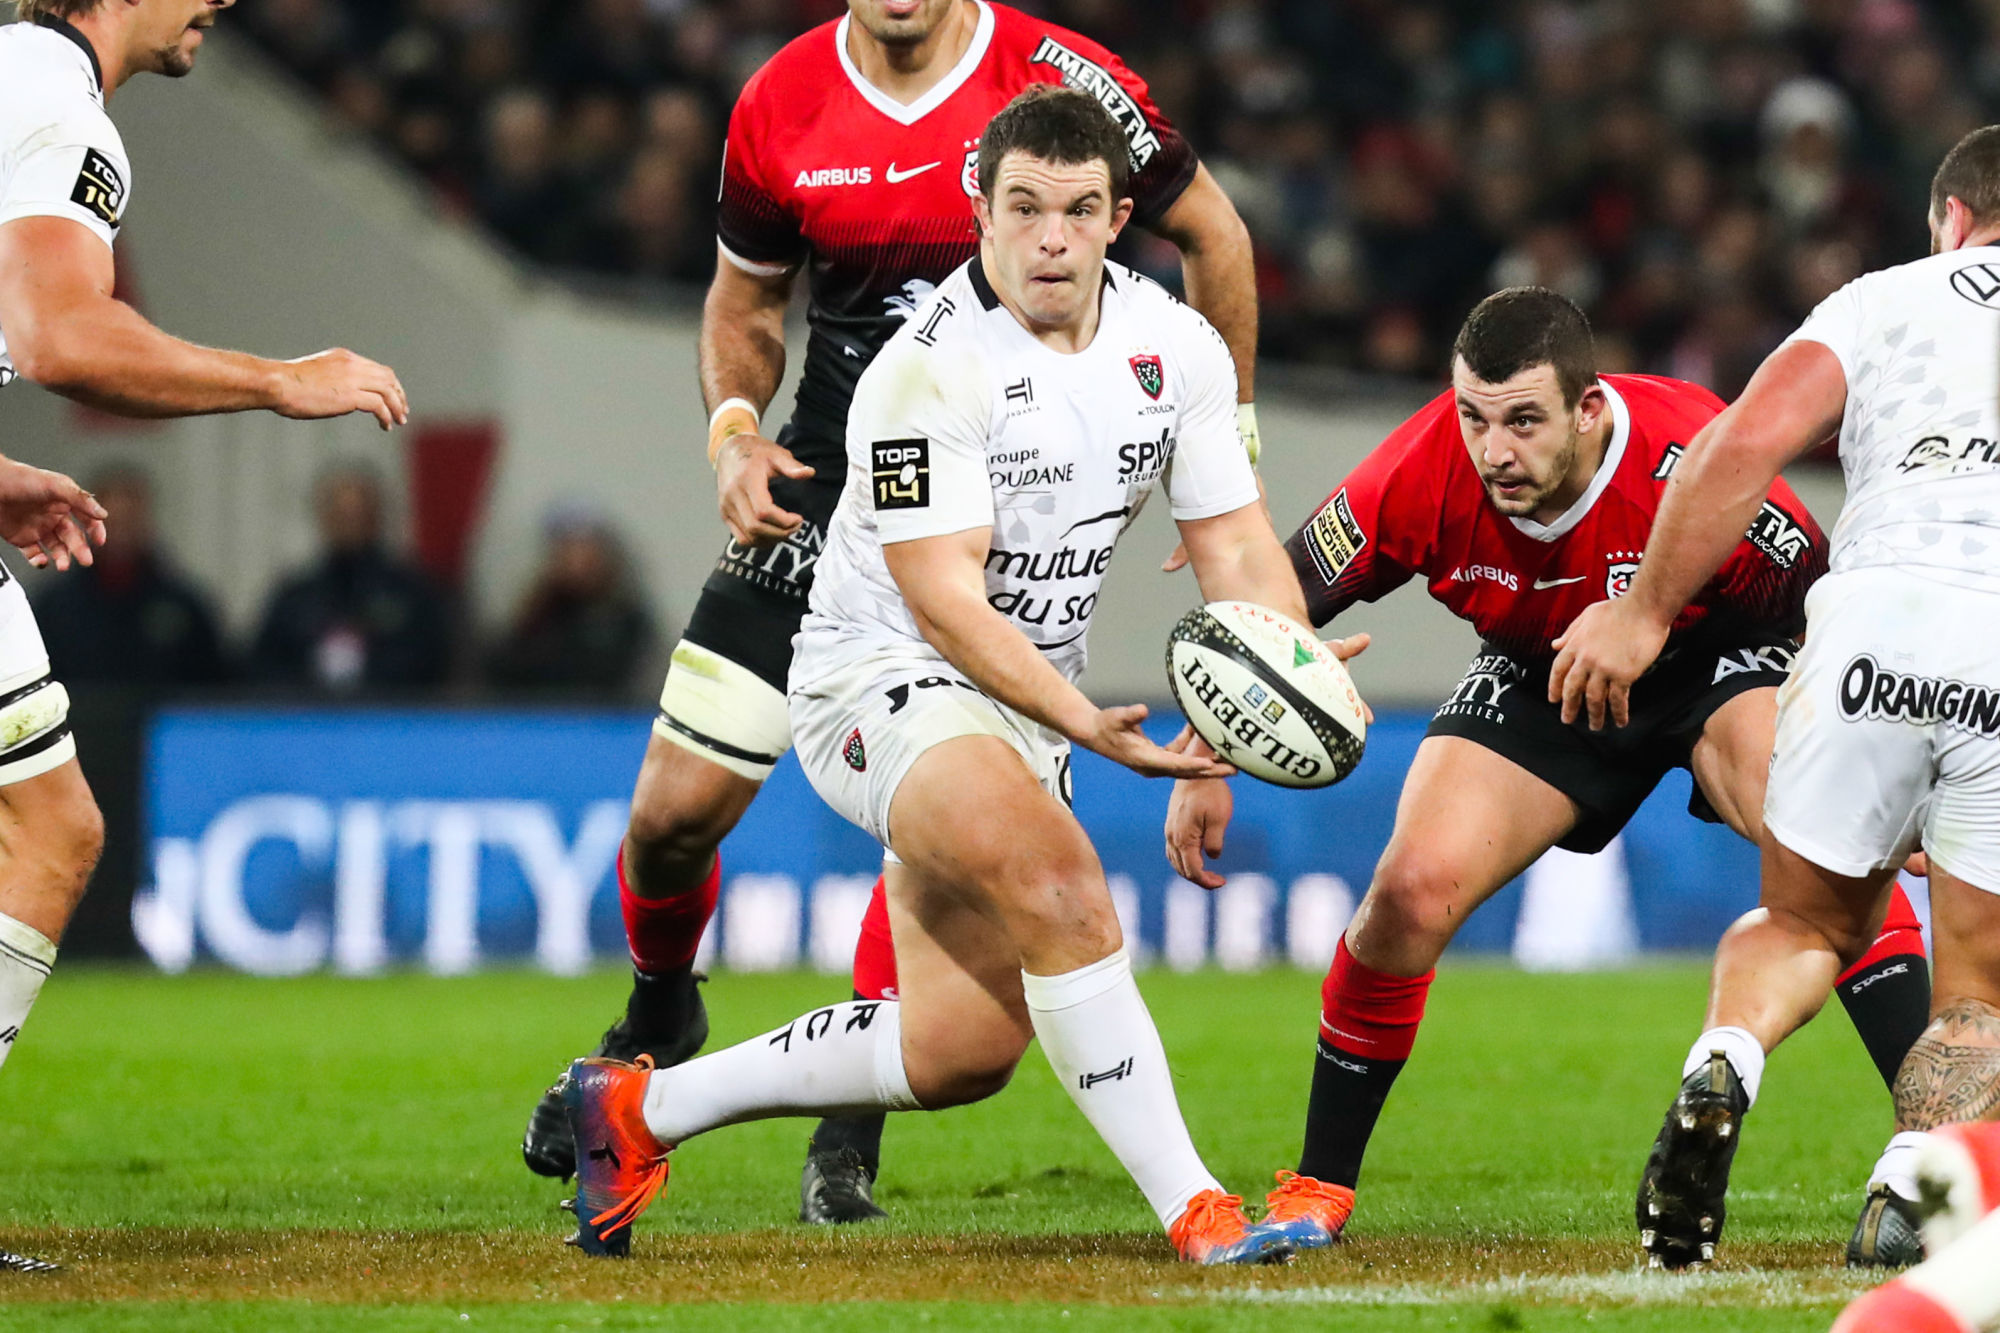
pixel 821 167
pixel 1416 506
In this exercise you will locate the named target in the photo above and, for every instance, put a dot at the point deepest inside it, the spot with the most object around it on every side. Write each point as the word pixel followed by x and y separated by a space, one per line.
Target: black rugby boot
pixel 837 1187
pixel 664 1018
pixel 1682 1192
pixel 1888 1233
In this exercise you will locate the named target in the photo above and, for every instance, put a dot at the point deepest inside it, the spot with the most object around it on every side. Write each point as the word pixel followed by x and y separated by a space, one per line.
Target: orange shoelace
pixel 1298 1196
pixel 627 1210
pixel 1212 1215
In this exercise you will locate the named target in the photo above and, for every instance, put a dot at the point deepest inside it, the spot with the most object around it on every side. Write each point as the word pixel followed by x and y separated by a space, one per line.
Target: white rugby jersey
pixel 60 155
pixel 965 420
pixel 1920 440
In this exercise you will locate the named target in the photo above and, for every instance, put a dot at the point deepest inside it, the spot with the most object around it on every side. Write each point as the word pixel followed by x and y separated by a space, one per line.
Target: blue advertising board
pixel 288 841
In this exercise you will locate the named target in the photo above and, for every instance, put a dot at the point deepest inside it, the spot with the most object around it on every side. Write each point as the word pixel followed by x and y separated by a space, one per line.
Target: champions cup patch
pixel 100 188
pixel 902 473
pixel 1146 369
pixel 854 752
pixel 1333 538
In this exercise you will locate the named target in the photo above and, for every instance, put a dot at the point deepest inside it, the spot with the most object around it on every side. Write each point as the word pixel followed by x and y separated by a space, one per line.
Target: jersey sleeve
pixel 1379 528
pixel 1163 162
pixel 1211 474
pixel 75 169
pixel 1835 324
pixel 920 423
pixel 757 231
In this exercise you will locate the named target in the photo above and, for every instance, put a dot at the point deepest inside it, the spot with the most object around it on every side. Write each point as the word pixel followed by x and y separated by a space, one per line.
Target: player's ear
pixel 1120 215
pixel 1591 405
pixel 982 213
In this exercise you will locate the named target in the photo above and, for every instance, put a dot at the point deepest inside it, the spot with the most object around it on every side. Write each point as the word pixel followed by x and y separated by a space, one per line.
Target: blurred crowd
pixel 358 620
pixel 1697 175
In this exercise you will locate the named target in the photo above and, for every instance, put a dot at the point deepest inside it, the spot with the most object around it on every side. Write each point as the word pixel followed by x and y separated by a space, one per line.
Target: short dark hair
pixel 33 11
pixel 1970 173
pixel 1518 328
pixel 1055 124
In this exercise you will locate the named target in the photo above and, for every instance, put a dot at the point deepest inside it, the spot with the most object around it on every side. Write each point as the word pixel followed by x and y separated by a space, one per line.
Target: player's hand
pixel 1116 734
pixel 1197 816
pixel 1347 650
pixel 48 516
pixel 336 382
pixel 744 466
pixel 1599 656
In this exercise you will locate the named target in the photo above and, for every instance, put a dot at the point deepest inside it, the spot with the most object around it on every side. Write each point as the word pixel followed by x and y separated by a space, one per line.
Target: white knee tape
pixel 724 712
pixel 34 731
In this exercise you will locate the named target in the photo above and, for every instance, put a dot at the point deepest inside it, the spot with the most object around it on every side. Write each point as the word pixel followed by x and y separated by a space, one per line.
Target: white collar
pixel 1621 430
pixel 982 37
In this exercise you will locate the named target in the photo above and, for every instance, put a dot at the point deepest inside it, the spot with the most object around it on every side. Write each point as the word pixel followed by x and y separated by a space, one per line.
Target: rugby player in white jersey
pixel 64 186
pixel 996 448
pixel 1888 732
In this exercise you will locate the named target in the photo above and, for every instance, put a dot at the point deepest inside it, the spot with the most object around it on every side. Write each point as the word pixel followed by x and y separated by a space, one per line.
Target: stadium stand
pixel 1697 175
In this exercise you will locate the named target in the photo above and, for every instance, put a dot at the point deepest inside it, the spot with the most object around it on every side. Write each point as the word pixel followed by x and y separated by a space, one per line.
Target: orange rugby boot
pixel 1311 1211
pixel 1213 1230
pixel 620 1166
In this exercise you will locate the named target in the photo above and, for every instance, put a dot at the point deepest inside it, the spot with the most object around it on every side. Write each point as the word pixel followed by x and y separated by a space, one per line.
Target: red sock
pixel 1370 1013
pixel 1901 935
pixel 875 952
pixel 663 933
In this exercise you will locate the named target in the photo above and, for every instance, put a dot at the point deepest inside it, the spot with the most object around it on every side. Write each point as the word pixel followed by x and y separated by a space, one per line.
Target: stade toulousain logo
pixel 1152 378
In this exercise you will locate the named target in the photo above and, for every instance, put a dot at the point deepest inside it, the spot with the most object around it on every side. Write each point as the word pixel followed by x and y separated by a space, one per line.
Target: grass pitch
pixel 215 1152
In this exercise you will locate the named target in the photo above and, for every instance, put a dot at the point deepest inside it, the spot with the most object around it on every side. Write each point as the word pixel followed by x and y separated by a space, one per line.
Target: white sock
pixel 26 955
pixel 1745 1054
pixel 1897 1167
pixel 1100 1040
pixel 846 1059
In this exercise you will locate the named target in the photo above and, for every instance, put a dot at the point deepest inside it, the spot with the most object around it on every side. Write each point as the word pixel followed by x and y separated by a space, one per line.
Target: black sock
pixel 1890 1003
pixel 862 1133
pixel 1347 1096
pixel 661 1003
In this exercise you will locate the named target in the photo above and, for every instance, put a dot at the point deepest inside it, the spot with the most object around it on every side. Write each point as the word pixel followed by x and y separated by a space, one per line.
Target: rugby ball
pixel 1266 694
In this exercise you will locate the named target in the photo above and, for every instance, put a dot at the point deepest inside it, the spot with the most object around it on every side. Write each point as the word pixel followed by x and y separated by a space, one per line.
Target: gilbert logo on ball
pixel 1266 694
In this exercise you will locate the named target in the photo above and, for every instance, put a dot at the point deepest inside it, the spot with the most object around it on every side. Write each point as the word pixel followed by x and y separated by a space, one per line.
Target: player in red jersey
pixel 851 156
pixel 1522 495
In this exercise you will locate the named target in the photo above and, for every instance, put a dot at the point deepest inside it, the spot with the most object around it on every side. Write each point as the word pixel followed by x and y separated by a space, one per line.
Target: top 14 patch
pixel 1334 537
pixel 100 188
pixel 902 473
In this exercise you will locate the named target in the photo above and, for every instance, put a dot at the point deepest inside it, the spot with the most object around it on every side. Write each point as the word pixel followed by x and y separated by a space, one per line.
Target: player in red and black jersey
pixel 1522 495
pixel 851 156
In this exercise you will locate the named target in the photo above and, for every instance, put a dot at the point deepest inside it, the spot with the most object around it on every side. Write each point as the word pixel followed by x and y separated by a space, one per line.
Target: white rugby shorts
pixel 859 729
pixel 34 709
pixel 1889 728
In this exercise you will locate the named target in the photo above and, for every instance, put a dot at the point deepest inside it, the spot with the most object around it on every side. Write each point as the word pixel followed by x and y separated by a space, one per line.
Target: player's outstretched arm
pixel 742 358
pixel 943 581
pixel 50 518
pixel 68 333
pixel 1792 403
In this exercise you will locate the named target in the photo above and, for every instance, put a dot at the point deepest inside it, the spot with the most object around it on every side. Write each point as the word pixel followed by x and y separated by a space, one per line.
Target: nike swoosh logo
pixel 1557 583
pixel 895 175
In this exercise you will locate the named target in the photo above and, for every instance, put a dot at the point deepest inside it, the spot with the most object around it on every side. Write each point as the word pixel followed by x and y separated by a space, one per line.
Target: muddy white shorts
pixel 1889 728
pixel 859 729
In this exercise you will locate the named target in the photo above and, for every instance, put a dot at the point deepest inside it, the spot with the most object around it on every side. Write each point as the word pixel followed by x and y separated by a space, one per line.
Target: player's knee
pixel 1043 908
pixel 666 834
pixel 1413 899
